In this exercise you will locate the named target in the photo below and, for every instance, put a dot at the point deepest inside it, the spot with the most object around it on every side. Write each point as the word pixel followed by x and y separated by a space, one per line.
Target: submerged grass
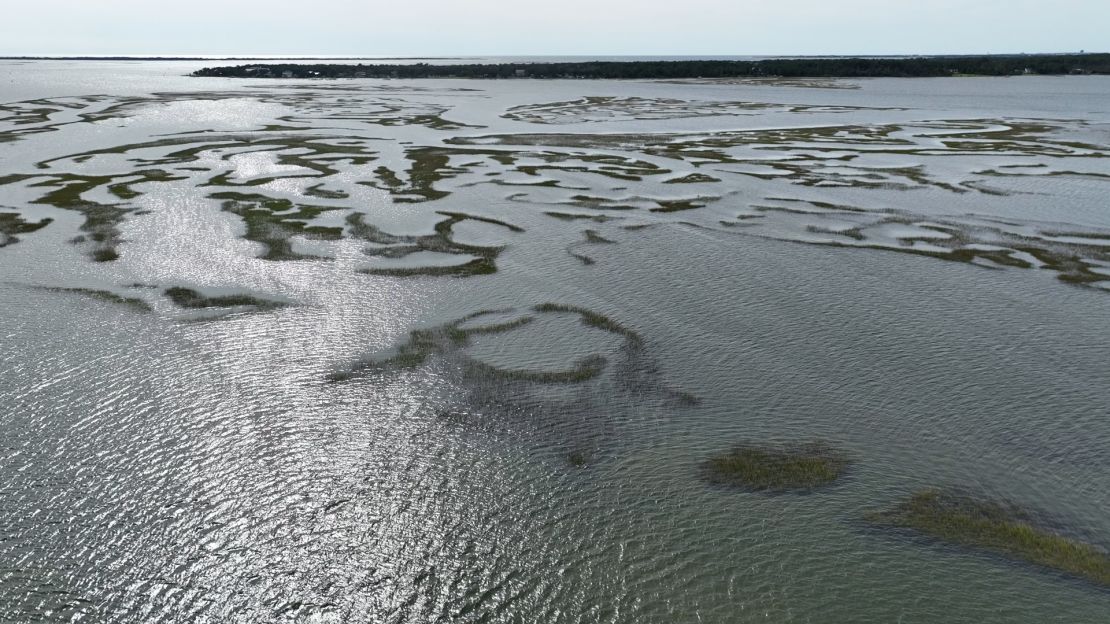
pixel 787 468
pixel 107 296
pixel 997 528
pixel 592 319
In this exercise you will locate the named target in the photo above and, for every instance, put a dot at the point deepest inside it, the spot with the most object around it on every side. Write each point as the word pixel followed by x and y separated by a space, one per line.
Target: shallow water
pixel 909 270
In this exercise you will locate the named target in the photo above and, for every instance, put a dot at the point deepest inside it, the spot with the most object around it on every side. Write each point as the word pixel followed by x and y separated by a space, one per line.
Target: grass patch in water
pixel 193 300
pixel 107 296
pixel 399 246
pixel 12 223
pixel 997 528
pixel 477 266
pixel 693 178
pixel 272 222
pixel 584 370
pixel 787 468
pixel 566 216
pixel 592 319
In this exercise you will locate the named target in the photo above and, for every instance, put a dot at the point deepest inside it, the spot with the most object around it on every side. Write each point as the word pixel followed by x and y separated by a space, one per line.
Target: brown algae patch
pixel 777 468
pixel 997 528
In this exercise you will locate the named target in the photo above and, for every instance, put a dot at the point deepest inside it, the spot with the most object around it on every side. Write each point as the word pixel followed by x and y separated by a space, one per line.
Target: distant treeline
pixel 902 67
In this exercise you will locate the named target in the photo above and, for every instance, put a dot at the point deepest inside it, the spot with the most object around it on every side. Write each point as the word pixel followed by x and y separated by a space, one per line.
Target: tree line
pixel 836 67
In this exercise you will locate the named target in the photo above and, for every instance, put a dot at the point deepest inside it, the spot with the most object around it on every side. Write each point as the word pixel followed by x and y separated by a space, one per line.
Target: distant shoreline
pixel 802 67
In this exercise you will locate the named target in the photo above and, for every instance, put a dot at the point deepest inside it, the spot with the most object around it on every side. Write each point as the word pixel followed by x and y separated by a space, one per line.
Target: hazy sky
pixel 478 27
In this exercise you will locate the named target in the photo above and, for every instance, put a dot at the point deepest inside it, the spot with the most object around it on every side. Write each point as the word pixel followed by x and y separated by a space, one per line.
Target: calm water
pixel 909 270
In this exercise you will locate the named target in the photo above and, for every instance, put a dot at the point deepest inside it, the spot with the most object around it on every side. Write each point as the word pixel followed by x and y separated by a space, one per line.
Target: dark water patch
pixel 567 216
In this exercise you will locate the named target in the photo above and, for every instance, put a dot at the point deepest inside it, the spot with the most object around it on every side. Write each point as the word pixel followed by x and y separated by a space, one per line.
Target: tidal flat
pixel 552 350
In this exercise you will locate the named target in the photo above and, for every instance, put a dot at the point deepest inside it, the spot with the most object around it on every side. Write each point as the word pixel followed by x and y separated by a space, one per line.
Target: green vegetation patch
pixel 107 296
pixel 193 300
pixel 272 222
pixel 454 337
pixel 12 223
pixel 101 232
pixel 997 528
pixel 785 468
pixel 693 178
pixel 593 319
pixel 483 260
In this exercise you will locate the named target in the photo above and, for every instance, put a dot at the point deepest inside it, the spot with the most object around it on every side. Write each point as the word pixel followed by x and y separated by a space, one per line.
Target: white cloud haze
pixel 588 27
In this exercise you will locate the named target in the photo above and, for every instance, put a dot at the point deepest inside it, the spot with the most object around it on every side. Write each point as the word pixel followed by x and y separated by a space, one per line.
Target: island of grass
pixel 12 223
pixel 107 296
pixel 193 300
pixel 836 67
pixel 996 528
pixel 777 468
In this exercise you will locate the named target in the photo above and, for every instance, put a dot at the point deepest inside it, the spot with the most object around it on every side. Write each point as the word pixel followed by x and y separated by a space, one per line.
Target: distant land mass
pixel 227 58
pixel 807 67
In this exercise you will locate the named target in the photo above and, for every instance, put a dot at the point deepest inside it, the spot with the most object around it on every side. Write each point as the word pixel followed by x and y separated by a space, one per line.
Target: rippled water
pixel 915 271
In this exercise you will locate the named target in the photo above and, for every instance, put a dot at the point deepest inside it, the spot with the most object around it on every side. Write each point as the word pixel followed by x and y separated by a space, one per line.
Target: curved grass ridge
pixel 484 260
pixel 783 468
pixel 452 338
pixel 997 528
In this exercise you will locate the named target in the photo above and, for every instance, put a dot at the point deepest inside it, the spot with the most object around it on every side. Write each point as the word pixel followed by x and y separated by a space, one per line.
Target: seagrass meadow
pixel 642 351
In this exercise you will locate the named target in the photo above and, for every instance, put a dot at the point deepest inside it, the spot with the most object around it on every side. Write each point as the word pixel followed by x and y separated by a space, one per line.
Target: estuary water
pixel 455 351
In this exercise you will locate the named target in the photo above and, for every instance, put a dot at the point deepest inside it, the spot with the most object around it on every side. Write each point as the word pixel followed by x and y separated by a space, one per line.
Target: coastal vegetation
pixel 191 299
pixel 809 67
pixel 777 468
pixel 136 304
pixel 12 223
pixel 997 528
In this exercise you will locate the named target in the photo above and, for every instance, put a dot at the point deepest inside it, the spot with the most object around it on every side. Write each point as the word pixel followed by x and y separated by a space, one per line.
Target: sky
pixel 554 27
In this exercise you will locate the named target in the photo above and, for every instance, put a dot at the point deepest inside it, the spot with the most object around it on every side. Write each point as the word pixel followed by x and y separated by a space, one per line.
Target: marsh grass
pixel 272 222
pixel 592 319
pixel 136 304
pixel 193 300
pixel 12 223
pixel 997 528
pixel 584 370
pixel 484 260
pixel 693 178
pixel 785 468
pixel 566 216
pixel 453 338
